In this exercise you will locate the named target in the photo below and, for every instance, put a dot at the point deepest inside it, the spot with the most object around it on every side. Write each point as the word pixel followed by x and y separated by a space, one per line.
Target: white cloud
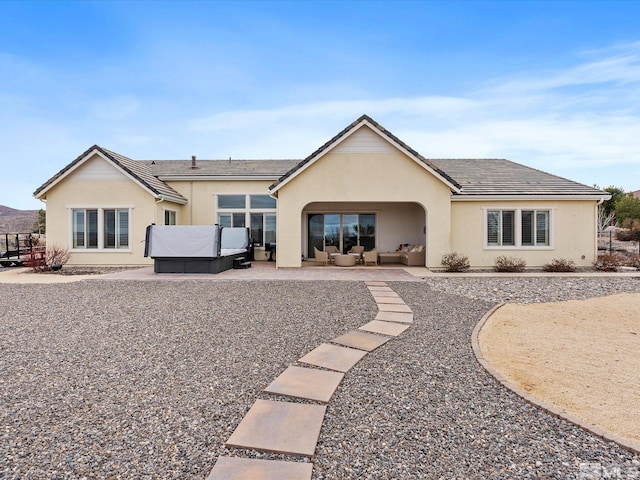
pixel 581 122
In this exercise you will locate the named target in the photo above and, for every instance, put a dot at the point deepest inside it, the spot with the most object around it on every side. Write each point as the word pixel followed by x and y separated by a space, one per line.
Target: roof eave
pixel 346 133
pixel 167 198
pixel 538 196
pixel 169 178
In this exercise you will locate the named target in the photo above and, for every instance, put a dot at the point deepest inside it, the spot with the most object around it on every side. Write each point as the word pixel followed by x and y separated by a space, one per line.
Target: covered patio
pixel 383 226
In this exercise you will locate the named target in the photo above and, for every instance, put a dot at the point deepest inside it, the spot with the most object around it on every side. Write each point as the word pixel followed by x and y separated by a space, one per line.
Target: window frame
pixel 247 212
pixel 101 230
pixel 170 212
pixel 517 228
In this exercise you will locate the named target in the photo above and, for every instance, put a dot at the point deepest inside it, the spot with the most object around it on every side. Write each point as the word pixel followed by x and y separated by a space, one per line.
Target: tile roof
pixel 495 176
pixel 468 177
pixel 140 171
pixel 245 168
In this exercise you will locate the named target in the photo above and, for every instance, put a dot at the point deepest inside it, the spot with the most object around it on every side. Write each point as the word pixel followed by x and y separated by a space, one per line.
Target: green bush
pixel 509 264
pixel 455 262
pixel 560 265
pixel 608 262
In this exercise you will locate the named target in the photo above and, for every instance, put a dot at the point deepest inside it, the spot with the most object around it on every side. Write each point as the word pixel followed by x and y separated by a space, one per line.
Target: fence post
pixel 610 242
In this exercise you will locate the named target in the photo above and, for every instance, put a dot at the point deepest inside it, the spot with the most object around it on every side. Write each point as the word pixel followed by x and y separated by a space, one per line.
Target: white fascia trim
pixel 484 198
pixel 384 137
pixel 194 178
pixel 165 198
pixel 81 162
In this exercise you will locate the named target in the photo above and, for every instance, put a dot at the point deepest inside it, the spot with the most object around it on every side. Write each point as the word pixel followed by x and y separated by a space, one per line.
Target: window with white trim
pixel 518 228
pixel 263 228
pixel 100 228
pixel 255 211
pixel 170 217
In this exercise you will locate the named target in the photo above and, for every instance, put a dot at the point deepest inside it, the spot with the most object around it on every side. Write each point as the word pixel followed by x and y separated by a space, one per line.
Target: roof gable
pixel 139 172
pixel 364 142
pixel 97 168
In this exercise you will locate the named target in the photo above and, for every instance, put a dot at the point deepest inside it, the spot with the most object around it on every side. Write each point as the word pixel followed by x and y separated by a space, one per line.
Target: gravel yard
pixel 132 379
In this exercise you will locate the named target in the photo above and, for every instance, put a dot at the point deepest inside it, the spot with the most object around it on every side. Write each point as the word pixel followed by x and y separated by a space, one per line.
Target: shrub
pixel 455 262
pixel 57 255
pixel 628 235
pixel 560 265
pixel 608 262
pixel 509 264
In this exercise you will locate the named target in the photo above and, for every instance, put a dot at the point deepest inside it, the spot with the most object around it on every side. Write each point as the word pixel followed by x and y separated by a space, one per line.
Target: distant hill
pixel 17 221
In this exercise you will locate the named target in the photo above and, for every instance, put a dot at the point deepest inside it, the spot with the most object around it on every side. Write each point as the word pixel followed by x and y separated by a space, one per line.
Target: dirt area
pixel 579 356
pixel 66 275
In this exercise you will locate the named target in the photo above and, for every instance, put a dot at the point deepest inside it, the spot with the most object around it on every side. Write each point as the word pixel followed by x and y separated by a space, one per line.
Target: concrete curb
pixel 564 415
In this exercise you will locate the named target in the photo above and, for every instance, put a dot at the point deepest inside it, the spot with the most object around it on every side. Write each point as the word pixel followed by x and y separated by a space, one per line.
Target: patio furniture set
pixel 356 255
pixel 410 255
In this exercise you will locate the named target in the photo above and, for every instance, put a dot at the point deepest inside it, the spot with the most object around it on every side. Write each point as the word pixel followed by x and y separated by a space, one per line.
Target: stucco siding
pixel 573 234
pixel 202 208
pixel 114 193
pixel 351 177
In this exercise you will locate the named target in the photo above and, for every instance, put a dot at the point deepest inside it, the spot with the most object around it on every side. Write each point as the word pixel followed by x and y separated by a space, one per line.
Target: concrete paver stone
pixel 385 294
pixel 389 300
pixel 361 340
pixel 233 468
pixel 280 427
pixel 385 328
pixel 309 383
pixel 376 284
pixel 402 317
pixel 387 307
pixel 333 357
pixel 380 289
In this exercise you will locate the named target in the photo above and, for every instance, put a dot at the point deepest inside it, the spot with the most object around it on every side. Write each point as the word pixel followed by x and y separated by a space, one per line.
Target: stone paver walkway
pixel 294 428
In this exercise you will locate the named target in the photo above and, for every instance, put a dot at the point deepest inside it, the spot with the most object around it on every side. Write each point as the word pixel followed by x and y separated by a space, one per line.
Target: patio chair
pixel 330 249
pixel 359 249
pixel 370 257
pixel 321 257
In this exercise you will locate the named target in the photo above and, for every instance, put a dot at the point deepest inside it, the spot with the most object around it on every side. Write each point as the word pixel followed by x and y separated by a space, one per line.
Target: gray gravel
pixel 127 379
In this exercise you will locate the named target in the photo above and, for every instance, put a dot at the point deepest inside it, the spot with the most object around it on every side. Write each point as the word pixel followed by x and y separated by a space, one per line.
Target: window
pixel 262 201
pixel 85 228
pixel 515 228
pixel 100 228
pixel 263 228
pixel 255 211
pixel 231 219
pixel 231 201
pixel 500 229
pixel 535 227
pixel 170 217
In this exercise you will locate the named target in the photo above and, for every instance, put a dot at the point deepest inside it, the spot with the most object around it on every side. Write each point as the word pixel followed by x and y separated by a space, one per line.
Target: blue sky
pixel 550 84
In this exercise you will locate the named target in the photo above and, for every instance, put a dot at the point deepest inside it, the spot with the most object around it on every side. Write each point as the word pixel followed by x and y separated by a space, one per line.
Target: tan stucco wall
pixel 360 177
pixel 101 194
pixel 201 209
pixel 202 206
pixel 573 232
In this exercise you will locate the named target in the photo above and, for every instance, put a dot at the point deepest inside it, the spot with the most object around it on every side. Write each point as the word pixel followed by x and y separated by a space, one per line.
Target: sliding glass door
pixel 341 230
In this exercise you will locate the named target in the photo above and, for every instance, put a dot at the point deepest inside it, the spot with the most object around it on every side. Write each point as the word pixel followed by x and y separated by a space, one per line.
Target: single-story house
pixel 363 187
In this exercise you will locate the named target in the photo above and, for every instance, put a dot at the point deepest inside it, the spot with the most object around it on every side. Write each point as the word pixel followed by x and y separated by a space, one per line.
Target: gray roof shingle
pixel 222 168
pixel 495 176
pixel 472 176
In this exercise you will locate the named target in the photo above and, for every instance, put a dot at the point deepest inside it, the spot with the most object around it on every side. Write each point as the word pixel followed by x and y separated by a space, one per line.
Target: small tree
pixel 40 225
pixel 609 206
pixel 627 207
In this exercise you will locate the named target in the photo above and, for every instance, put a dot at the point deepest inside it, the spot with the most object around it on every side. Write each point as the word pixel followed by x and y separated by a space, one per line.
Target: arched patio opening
pixel 382 225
